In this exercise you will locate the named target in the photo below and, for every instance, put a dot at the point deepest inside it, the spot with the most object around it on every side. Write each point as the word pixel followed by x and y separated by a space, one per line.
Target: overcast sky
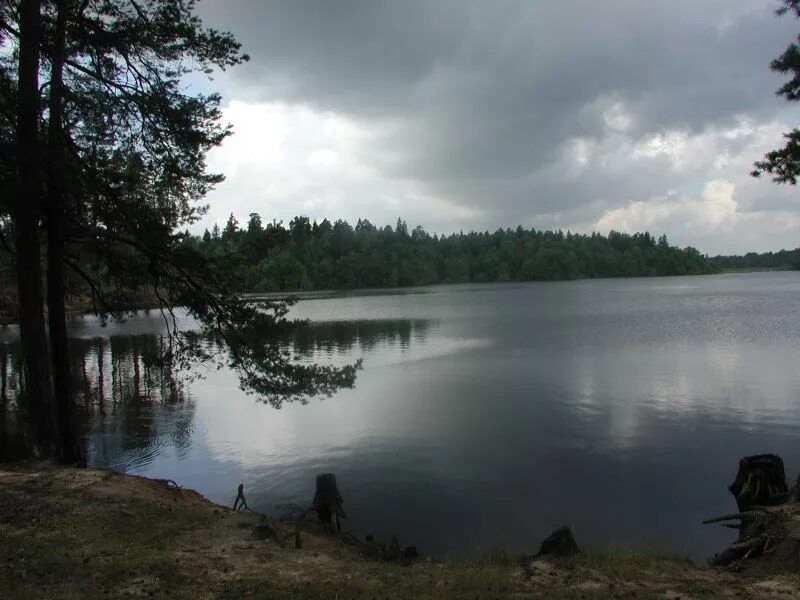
pixel 461 114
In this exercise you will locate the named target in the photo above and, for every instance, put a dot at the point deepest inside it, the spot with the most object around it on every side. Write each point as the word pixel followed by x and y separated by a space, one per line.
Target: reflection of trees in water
pixel 108 371
pixel 132 406
pixel 12 444
pixel 342 336
pixel 129 403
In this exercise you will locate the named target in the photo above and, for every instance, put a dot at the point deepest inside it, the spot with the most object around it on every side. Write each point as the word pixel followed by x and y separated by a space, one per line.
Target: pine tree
pixel 784 164
pixel 123 172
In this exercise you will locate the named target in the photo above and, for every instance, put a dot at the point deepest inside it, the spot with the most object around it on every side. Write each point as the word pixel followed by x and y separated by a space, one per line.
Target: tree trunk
pixel 39 400
pixel 69 441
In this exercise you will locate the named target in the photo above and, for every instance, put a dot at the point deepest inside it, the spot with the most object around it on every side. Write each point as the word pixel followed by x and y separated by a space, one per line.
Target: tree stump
pixel 328 501
pixel 393 551
pixel 760 481
pixel 559 543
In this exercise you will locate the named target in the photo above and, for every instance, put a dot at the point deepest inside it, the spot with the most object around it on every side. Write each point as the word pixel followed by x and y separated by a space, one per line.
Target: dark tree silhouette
pixel 26 214
pixel 56 216
pixel 122 169
pixel 784 164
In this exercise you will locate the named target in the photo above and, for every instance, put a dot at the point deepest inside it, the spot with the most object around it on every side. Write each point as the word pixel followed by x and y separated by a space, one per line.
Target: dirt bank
pixel 67 533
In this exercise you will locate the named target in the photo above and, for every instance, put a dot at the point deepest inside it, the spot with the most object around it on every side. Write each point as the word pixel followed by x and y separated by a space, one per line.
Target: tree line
pixel 766 261
pixel 323 255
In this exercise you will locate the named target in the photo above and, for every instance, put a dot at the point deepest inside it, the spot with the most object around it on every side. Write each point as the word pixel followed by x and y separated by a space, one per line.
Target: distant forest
pixel 768 261
pixel 311 255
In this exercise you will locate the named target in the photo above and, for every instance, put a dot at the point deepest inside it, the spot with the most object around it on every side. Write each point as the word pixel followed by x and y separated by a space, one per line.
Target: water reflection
pixel 332 337
pixel 132 404
pixel 12 444
pixel 128 402
pixel 618 407
pixel 133 408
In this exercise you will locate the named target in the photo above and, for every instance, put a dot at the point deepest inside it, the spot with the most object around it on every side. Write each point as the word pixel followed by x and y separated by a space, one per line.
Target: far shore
pixel 85 306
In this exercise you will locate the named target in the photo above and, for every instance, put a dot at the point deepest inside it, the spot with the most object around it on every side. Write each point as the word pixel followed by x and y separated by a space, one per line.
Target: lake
pixel 485 415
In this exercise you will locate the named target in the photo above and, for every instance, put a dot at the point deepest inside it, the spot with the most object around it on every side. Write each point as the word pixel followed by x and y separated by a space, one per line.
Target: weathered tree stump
pixel 241 502
pixel 760 481
pixel 393 551
pixel 559 543
pixel 328 501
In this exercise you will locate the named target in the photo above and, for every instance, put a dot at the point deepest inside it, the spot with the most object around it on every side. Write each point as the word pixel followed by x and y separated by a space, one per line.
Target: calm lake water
pixel 485 416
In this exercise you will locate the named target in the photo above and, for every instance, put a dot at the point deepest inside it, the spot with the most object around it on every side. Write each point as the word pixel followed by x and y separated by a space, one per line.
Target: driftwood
pixel 760 481
pixel 735 554
pixel 328 501
pixel 742 516
pixel 753 539
pixel 169 483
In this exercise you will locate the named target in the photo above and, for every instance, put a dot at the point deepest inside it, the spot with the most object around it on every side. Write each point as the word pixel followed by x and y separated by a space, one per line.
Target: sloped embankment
pixel 67 533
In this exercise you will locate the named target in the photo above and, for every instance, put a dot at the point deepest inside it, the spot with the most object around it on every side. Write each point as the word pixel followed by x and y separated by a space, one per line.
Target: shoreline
pixel 85 307
pixel 88 533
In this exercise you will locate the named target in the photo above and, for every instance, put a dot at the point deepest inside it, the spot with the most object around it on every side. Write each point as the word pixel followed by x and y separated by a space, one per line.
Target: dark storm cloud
pixel 347 55
pixel 478 98
pixel 682 61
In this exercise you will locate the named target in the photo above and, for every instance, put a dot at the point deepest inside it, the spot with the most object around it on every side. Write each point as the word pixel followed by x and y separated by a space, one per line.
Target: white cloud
pixel 693 186
pixel 472 115
pixel 715 208
pixel 288 160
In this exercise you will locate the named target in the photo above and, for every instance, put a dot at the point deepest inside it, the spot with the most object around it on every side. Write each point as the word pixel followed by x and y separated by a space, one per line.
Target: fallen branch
pixel 733 556
pixel 169 483
pixel 750 514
